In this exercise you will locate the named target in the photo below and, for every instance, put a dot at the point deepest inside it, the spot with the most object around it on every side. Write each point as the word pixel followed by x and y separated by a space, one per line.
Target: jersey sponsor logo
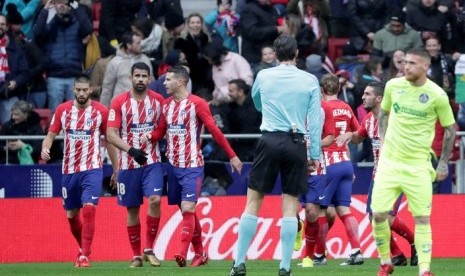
pixel 423 98
pixel 141 128
pixel 177 129
pixel 112 115
pixel 407 110
pixel 83 135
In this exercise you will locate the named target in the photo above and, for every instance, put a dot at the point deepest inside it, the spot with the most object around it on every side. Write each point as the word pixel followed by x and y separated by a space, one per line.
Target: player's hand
pixel 114 179
pixel 343 139
pixel 442 170
pixel 45 154
pixel 145 138
pixel 236 164
pixel 138 155
pixel 312 165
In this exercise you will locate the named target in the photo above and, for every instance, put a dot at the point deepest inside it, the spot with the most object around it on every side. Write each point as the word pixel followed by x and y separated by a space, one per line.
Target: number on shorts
pixel 121 189
pixel 342 126
pixel 64 193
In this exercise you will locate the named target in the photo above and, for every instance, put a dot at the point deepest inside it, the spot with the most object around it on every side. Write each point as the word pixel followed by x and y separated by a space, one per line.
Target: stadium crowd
pixel 48 43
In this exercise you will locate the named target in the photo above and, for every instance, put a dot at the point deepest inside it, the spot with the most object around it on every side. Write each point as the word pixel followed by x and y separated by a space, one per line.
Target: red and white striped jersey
pixel 134 118
pixel 328 129
pixel 369 129
pixel 182 122
pixel 344 121
pixel 82 129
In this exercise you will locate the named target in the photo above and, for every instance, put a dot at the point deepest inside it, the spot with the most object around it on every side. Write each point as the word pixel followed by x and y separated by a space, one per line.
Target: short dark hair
pixel 179 72
pixel 82 78
pixel 285 47
pixel 241 85
pixel 127 38
pixel 144 24
pixel 141 66
pixel 378 87
pixel 419 52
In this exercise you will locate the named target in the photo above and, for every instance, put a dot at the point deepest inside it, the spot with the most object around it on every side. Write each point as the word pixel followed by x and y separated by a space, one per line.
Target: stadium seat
pixel 96 10
pixel 45 116
pixel 335 46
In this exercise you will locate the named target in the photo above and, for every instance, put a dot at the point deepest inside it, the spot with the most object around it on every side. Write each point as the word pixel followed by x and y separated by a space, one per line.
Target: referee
pixel 289 99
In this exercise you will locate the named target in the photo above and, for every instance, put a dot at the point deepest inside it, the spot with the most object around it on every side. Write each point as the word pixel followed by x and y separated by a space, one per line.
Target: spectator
pixel 36 86
pixel 372 71
pixel 192 43
pixel 339 24
pixel 258 27
pixel 313 14
pixel 441 69
pixel 430 20
pixel 28 11
pixel 24 121
pixel 97 76
pixel 314 65
pixel 226 67
pixel 116 18
pixel 161 9
pixel 174 26
pixel 268 59
pixel 306 39
pixel 14 71
pixel 61 31
pixel 173 58
pixel 116 79
pixel 396 35
pixel 151 34
pixel 396 65
pixel 366 18
pixel 224 22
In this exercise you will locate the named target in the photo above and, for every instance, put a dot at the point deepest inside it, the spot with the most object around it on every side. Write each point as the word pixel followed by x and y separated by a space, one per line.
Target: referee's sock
pixel 247 228
pixel 423 244
pixel 288 234
pixel 382 235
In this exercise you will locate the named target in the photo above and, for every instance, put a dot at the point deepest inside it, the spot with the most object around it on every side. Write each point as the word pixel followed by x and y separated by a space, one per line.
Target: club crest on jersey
pixel 423 98
pixel 183 114
pixel 89 122
pixel 150 112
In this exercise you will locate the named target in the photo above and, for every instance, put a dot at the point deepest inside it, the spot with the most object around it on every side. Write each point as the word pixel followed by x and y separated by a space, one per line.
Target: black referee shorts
pixel 277 152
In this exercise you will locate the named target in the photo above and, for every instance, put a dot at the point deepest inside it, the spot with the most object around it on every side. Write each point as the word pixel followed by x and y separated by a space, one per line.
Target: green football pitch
pixel 441 267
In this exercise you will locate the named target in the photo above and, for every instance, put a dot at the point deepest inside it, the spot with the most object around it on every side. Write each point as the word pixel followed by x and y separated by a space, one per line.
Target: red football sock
pixel 187 230
pixel 399 227
pixel 134 238
pixel 152 229
pixel 88 228
pixel 331 222
pixel 395 250
pixel 320 244
pixel 351 226
pixel 311 233
pixel 76 228
pixel 197 237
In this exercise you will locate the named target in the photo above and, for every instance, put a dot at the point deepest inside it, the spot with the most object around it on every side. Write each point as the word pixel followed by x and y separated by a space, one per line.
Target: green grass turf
pixel 441 267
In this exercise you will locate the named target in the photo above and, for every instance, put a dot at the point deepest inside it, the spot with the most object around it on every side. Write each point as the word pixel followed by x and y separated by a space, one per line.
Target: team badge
pixel 183 114
pixel 423 98
pixel 150 112
pixel 112 115
pixel 89 122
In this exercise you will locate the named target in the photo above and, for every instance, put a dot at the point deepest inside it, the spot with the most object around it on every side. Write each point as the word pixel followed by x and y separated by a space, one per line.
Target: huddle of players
pixel 330 186
pixel 136 121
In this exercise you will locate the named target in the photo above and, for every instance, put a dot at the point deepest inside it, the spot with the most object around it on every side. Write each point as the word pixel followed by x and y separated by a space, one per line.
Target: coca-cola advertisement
pixel 30 224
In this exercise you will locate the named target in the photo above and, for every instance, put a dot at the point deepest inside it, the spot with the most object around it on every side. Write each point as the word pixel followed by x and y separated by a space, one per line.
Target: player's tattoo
pixel 383 118
pixel 447 144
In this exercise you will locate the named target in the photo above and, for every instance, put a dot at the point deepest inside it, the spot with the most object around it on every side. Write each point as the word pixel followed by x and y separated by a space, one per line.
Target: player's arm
pixel 113 154
pixel 447 145
pixel 203 111
pixel 383 118
pixel 46 145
